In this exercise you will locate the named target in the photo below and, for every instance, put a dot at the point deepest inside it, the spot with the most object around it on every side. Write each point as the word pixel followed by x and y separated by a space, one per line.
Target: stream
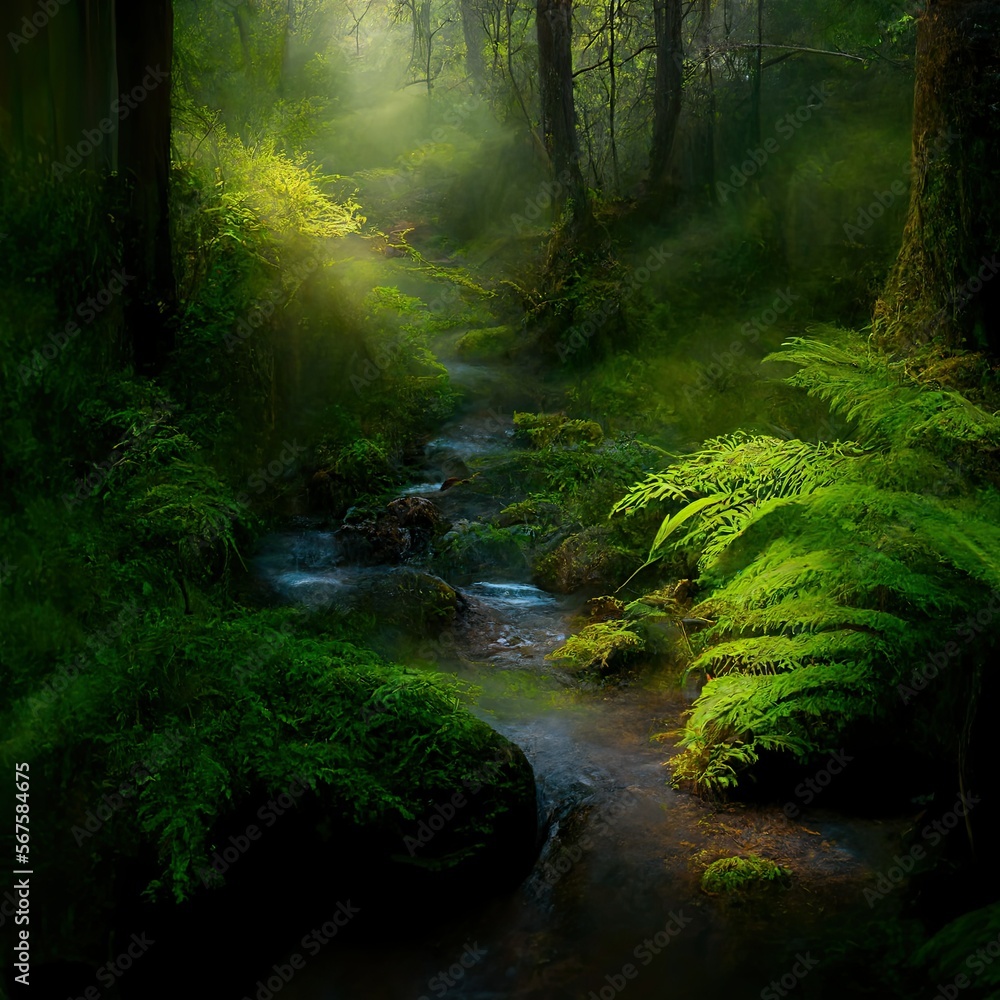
pixel 617 866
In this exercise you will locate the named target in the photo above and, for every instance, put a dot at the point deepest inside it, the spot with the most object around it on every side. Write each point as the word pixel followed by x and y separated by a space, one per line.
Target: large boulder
pixel 407 600
pixel 397 533
pixel 585 560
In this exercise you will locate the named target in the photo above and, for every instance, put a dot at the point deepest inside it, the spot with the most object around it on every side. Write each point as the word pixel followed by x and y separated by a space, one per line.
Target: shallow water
pixel 617 864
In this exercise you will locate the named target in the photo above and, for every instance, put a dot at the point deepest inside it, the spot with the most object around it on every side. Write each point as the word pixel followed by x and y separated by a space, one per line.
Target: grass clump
pixel 741 874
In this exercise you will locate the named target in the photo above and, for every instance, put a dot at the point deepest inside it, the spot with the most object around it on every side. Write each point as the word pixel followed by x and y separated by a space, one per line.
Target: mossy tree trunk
pixel 945 285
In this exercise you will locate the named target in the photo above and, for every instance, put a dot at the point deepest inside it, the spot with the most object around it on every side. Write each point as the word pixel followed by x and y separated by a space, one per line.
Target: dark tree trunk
pixel 56 81
pixel 667 20
pixel 475 38
pixel 145 50
pixel 757 78
pixel 555 67
pixel 944 285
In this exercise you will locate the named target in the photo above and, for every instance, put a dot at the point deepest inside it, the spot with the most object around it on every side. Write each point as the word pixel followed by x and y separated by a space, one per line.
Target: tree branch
pixel 791 48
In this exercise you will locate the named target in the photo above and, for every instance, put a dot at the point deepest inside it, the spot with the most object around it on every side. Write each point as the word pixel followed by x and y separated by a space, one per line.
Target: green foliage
pixel 831 567
pixel 543 430
pixel 961 945
pixel 488 343
pixel 228 703
pixel 741 874
pixel 601 645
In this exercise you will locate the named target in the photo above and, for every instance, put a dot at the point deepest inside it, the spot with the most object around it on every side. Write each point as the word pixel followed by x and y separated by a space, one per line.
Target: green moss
pixel 741 874
pixel 589 558
pixel 542 430
pixel 492 342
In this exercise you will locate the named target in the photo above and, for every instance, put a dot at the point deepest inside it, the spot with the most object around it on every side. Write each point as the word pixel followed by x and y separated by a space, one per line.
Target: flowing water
pixel 614 890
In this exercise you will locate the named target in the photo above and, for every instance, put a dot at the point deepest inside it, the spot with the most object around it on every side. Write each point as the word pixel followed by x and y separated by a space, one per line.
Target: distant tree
pixel 668 18
pixel 554 20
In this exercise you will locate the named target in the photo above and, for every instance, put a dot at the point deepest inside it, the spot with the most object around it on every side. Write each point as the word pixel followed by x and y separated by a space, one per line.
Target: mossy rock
pixel 586 559
pixel 407 599
pixel 533 513
pixel 469 548
pixel 739 875
pixel 382 792
pixel 543 430
pixel 486 344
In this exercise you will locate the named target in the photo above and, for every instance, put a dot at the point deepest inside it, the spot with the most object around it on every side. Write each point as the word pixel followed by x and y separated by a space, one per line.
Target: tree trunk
pixel 667 20
pixel 944 285
pixel 57 82
pixel 555 67
pixel 475 37
pixel 145 50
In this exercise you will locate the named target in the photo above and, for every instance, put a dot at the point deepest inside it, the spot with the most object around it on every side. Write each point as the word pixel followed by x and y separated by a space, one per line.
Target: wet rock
pixel 470 548
pixel 605 609
pixel 585 559
pixel 530 512
pixel 489 343
pixel 415 512
pixel 397 533
pixel 408 600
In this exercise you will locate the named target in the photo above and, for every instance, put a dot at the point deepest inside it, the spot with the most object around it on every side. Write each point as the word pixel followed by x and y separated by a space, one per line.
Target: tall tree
pixel 475 39
pixel 144 53
pixel 944 285
pixel 554 25
pixel 89 88
pixel 667 20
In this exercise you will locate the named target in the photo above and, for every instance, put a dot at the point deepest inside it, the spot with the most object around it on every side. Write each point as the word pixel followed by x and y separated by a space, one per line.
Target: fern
pixel 829 568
